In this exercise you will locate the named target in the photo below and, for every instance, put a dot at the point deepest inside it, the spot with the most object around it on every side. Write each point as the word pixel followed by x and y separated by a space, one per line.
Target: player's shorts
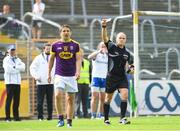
pixel 36 23
pixel 113 83
pixel 98 84
pixel 66 83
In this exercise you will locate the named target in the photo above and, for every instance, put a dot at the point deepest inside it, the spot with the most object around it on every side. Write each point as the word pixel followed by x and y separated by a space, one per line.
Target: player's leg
pixel 102 98
pixel 59 94
pixel 71 88
pixel 110 88
pixel 70 107
pixel 95 88
pixel 59 88
pixel 94 103
pixel 108 98
pixel 123 106
pixel 101 104
pixel 78 102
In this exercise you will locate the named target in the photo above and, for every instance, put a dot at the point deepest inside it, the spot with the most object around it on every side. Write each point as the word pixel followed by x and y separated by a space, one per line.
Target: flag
pixel 133 102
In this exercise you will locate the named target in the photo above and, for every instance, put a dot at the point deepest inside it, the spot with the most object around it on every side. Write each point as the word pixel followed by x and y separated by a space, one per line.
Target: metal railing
pixel 147 72
pixel 114 23
pixel 92 31
pixel 172 72
pixel 3 24
pixel 153 35
pixel 170 5
pixel 42 19
pixel 167 58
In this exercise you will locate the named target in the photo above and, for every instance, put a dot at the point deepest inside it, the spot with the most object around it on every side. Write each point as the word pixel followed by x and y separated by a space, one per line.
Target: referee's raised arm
pixel 105 38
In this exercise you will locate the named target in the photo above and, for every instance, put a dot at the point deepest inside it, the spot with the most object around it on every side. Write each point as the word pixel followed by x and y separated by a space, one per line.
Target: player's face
pixel 65 33
pixel 12 53
pixel 103 47
pixel 121 39
pixel 38 1
pixel 47 49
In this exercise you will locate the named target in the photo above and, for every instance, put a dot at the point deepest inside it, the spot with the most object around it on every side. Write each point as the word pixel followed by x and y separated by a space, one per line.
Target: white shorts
pixel 66 83
pixel 97 89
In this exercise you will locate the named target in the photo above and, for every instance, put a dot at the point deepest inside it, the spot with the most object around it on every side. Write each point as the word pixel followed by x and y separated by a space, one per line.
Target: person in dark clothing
pixel 116 79
pixel 83 89
pixel 39 72
pixel 12 78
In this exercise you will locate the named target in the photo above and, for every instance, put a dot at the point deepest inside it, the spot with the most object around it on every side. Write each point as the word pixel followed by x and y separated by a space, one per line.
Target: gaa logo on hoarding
pixel 165 101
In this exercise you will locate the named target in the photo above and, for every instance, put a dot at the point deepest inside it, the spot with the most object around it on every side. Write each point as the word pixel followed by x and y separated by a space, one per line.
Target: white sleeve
pixel 43 7
pixel 8 67
pixel 33 10
pixel 34 68
pixel 20 65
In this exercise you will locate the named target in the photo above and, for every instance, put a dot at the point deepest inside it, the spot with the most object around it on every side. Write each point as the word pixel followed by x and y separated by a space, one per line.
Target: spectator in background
pixel 10 28
pixel 12 67
pixel 39 71
pixel 67 71
pixel 99 71
pixel 38 10
pixel 6 13
pixel 83 88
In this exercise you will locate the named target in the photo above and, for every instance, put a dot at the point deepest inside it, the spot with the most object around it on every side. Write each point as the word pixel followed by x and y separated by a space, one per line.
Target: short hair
pixel 65 25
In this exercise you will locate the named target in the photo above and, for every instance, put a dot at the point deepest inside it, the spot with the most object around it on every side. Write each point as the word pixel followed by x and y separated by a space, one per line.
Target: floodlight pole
pixel 136 50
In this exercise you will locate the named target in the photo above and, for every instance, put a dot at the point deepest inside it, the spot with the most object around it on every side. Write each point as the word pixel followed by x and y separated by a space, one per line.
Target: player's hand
pixel 49 79
pixel 131 69
pixel 100 51
pixel 77 75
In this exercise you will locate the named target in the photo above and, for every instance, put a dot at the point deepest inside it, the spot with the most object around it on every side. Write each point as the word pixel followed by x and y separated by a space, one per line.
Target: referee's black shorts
pixel 113 83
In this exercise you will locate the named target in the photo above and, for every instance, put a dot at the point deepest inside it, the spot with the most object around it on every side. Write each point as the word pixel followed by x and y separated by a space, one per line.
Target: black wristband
pixel 103 26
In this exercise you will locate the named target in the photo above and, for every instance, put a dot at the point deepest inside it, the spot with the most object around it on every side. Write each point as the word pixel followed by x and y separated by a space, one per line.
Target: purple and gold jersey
pixel 65 53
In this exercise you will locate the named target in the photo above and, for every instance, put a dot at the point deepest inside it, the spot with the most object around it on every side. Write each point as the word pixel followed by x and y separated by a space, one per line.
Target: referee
pixel 118 58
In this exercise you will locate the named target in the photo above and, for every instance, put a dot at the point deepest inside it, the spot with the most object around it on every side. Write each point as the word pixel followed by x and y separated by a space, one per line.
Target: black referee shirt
pixel 117 58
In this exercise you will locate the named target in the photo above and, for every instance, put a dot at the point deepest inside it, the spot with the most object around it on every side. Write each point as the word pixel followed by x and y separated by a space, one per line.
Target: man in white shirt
pixel 99 72
pixel 38 10
pixel 12 67
pixel 39 71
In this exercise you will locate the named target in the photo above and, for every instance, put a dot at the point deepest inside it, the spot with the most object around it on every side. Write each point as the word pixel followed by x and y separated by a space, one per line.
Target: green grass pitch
pixel 161 123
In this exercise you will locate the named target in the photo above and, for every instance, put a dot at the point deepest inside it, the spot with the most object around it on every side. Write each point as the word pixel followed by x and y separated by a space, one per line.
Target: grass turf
pixel 163 123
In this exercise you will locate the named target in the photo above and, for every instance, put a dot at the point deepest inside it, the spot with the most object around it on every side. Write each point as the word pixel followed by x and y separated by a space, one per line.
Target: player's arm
pixel 93 55
pixel 50 66
pixel 105 38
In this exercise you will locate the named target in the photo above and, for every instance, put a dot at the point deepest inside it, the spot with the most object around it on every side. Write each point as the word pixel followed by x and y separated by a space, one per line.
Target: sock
pixel 93 114
pixel 69 121
pixel 100 114
pixel 106 111
pixel 123 108
pixel 61 117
